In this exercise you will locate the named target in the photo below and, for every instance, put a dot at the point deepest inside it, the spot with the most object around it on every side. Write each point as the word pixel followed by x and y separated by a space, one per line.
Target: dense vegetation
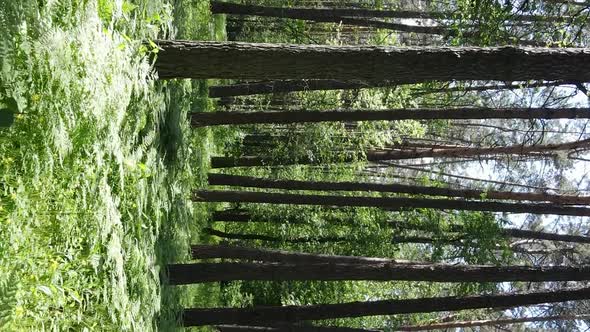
pixel 98 165
pixel 101 161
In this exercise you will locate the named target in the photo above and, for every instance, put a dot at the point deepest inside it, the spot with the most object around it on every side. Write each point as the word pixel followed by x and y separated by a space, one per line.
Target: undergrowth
pixel 97 170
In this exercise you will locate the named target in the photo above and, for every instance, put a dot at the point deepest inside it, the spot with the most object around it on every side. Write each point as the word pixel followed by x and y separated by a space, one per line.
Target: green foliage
pixel 94 174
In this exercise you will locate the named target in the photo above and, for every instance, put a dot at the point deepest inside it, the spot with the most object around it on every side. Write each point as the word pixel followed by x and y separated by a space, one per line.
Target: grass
pixel 97 170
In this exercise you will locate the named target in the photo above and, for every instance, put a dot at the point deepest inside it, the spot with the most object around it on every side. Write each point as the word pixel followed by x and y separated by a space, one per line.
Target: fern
pixel 8 290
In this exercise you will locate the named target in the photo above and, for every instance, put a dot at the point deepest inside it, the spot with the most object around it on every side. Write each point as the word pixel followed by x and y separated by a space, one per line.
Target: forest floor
pixel 96 171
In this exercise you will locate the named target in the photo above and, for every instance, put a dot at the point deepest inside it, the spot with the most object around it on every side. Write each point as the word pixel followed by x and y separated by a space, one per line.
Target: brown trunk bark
pixel 268 238
pixel 490 322
pixel 234 60
pixel 244 216
pixel 507 232
pixel 412 153
pixel 247 181
pixel 181 274
pixel 332 13
pixel 328 16
pixel 429 240
pixel 389 203
pixel 204 251
pixel 288 328
pixel 285 86
pixel 527 234
pixel 456 176
pixel 268 314
pixel 245 89
pixel 494 87
pixel 233 215
pixel 236 118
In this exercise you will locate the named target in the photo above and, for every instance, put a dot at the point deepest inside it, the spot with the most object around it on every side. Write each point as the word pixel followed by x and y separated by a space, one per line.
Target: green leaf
pixel 45 290
pixel 6 118
pixel 128 7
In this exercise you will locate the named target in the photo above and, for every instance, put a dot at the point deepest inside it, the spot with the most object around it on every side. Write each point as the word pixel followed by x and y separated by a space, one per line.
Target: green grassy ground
pixel 96 171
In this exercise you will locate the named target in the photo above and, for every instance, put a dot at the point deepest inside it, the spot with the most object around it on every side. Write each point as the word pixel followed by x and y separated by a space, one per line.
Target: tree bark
pixel 203 251
pixel 284 86
pixel 359 17
pixel 281 327
pixel 233 215
pixel 313 14
pixel 389 203
pixel 217 179
pixel 234 60
pixel 201 119
pixel 456 176
pixel 268 238
pixel 490 322
pixel 268 314
pixel 289 328
pixel 493 87
pixel 507 232
pixel 243 216
pixel 182 274
pixel 412 153
pixel 537 235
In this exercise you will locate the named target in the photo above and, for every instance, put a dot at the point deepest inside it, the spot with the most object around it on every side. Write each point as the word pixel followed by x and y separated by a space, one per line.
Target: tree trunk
pixel 334 13
pixel 234 60
pixel 456 241
pixel 456 176
pixel 201 119
pixel 288 328
pixel 284 86
pixel 494 87
pixel 459 242
pixel 233 215
pixel 507 232
pixel 389 203
pixel 181 274
pixel 490 322
pixel 527 234
pixel 268 314
pixel 268 238
pixel 328 16
pixel 412 153
pixel 204 251
pixel 216 179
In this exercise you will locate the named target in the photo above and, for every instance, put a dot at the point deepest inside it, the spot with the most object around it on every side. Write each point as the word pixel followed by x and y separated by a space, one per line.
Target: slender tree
pixel 270 314
pixel 233 215
pixel 538 235
pixel 269 238
pixel 283 86
pixel 389 203
pixel 235 118
pixel 468 178
pixel 204 251
pixel 507 232
pixel 315 14
pixel 254 182
pixel 199 60
pixel 289 328
pixel 180 274
pixel 493 87
pixel 490 322
pixel 360 17
pixel 412 153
